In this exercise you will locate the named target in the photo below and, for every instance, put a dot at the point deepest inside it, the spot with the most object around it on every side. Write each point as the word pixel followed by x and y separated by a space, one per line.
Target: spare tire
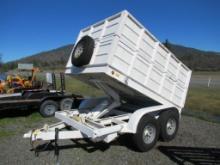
pixel 83 51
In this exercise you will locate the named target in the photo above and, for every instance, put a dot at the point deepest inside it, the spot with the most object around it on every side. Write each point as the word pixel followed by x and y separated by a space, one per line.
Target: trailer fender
pixel 138 114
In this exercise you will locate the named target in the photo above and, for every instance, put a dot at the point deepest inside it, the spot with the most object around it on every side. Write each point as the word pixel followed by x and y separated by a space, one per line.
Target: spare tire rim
pixel 50 109
pixel 78 51
pixel 149 133
pixel 171 126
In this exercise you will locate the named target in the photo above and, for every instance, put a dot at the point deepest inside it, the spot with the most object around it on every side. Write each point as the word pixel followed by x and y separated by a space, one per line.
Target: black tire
pixel 141 141
pixel 48 108
pixel 66 104
pixel 83 51
pixel 169 124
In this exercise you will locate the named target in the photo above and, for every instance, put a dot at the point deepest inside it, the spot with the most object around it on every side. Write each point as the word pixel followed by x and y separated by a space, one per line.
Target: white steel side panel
pixel 153 66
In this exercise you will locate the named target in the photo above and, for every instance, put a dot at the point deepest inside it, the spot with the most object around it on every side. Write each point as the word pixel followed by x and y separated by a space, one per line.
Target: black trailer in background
pixel 46 101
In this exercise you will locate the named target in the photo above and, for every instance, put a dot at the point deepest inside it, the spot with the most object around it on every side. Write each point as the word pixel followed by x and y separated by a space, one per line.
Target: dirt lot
pixel 197 142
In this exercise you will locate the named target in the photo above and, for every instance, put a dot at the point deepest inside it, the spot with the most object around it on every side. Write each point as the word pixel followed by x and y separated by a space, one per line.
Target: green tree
pixel 1 61
pixel 167 44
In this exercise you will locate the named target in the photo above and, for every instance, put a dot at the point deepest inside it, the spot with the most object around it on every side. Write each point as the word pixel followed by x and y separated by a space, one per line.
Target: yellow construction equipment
pixel 2 86
pixel 17 83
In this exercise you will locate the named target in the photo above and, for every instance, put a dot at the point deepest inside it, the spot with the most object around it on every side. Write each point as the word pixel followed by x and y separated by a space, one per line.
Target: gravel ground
pixel 196 142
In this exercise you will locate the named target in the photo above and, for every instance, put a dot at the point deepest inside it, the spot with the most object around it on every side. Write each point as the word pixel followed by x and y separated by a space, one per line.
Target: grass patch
pixel 202 115
pixel 204 99
pixel 74 86
pixel 6 133
pixel 6 121
pixel 34 117
pixel 11 126
pixel 78 87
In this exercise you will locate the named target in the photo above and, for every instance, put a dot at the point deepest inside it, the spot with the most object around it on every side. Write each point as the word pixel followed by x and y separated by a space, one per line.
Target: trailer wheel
pixel 66 104
pixel 147 133
pixel 83 51
pixel 48 108
pixel 169 123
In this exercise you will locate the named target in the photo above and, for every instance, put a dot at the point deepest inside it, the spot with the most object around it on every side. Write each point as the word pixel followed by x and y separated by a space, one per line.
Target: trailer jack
pixel 56 147
pixel 40 148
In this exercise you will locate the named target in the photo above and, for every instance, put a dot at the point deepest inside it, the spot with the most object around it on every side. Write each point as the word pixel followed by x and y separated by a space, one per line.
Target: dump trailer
pixel 145 86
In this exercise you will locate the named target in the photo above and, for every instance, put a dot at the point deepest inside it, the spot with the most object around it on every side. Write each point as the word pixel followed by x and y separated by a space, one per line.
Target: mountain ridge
pixel 195 59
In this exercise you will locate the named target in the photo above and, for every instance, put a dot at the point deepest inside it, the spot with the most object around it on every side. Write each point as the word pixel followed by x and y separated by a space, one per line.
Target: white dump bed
pixel 128 53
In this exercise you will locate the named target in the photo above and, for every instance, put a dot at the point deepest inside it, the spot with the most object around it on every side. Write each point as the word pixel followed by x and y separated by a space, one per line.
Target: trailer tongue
pixel 145 86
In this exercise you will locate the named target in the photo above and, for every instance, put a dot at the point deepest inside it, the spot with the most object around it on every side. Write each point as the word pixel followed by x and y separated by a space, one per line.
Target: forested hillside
pixel 195 59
